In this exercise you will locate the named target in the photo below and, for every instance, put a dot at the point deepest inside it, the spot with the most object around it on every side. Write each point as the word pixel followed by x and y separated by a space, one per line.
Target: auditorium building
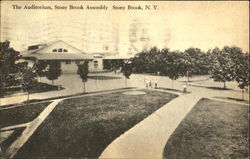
pixel 68 55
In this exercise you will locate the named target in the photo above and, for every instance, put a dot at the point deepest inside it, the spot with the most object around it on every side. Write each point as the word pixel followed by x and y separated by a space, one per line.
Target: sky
pixel 176 25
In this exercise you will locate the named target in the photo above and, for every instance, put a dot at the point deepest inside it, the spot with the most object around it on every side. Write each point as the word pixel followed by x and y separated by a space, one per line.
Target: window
pixel 77 62
pixel 33 47
pixel 67 62
pixel 60 50
pixel 95 64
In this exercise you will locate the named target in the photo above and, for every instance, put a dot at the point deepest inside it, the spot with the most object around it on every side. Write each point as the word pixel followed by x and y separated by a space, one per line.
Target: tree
pixel 28 79
pixel 83 70
pixel 8 66
pixel 54 71
pixel 127 71
pixel 242 72
pixel 40 68
pixel 147 61
pixel 174 66
pixel 196 62
pixel 222 69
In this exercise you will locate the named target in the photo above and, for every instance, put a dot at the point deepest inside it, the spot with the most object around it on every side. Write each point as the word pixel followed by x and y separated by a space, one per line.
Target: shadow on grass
pixel 59 97
pixel 234 99
pixel 200 80
pixel 104 77
pixel 174 90
pixel 211 87
pixel 7 142
pixel 101 71
pixel 38 88
pixel 22 114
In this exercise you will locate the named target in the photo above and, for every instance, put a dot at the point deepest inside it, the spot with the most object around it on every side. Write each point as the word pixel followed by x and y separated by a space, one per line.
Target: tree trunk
pixel 125 82
pixel 243 94
pixel 28 98
pixel 187 76
pixel 2 89
pixel 224 84
pixel 97 84
pixel 83 87
pixel 172 84
pixel 40 79
pixel 52 82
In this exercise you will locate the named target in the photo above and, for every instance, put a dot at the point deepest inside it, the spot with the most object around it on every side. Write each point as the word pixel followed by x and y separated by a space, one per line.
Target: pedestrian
pixel 150 83
pixel 155 84
pixel 146 81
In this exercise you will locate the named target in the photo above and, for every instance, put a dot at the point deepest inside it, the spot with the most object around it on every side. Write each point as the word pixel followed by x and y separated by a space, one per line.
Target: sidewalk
pixel 30 129
pixel 148 138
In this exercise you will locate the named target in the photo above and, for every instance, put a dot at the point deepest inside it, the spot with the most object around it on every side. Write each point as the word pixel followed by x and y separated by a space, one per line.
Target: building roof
pixel 44 52
pixel 118 57
pixel 55 56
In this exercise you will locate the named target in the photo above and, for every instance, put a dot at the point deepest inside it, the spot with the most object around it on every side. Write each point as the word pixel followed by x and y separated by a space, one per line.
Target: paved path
pixel 15 127
pixel 145 140
pixel 148 138
pixel 33 125
pixel 73 85
pixel 30 129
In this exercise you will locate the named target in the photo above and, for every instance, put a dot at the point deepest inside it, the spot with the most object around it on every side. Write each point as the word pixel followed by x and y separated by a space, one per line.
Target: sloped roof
pixel 37 53
pixel 118 57
pixel 58 56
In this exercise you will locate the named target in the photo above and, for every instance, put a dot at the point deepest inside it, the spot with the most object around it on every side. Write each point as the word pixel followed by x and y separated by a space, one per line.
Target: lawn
pixel 38 88
pixel 21 114
pixel 212 129
pixel 7 142
pixel 101 77
pixel 85 126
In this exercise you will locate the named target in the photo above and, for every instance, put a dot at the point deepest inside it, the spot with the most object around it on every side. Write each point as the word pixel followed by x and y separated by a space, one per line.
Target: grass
pixel 100 77
pixel 44 87
pixel 212 129
pixel 174 90
pixel 19 115
pixel 212 87
pixel 38 88
pixel 6 143
pixel 59 97
pixel 85 126
pixel 234 99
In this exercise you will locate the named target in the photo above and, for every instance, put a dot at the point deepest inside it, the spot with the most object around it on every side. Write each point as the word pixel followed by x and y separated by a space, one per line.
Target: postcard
pixel 124 79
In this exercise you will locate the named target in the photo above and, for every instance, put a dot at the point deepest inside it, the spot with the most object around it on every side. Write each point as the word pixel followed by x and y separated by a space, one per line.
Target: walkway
pixel 145 140
pixel 148 138
pixel 30 129
pixel 33 125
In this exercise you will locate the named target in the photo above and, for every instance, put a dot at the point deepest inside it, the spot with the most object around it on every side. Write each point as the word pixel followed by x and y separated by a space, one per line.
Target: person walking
pixel 150 83
pixel 156 84
pixel 146 81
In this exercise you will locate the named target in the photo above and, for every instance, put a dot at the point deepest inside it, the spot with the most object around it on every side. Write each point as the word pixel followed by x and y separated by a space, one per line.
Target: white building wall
pixel 91 65
pixel 72 67
pixel 69 67
pixel 98 63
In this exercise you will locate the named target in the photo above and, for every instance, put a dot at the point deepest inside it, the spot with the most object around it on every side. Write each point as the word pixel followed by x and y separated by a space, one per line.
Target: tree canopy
pixel 54 71
pixel 9 66
pixel 40 68
pixel 83 71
